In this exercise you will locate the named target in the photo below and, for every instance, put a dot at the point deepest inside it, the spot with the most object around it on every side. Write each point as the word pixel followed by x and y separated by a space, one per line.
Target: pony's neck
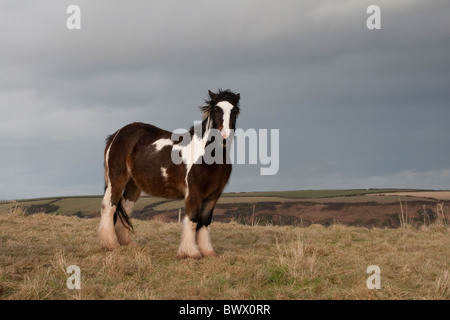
pixel 201 138
pixel 201 133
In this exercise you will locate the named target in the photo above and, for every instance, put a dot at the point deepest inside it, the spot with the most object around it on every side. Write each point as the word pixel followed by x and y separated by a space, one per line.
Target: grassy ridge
pixel 91 204
pixel 253 262
pixel 312 194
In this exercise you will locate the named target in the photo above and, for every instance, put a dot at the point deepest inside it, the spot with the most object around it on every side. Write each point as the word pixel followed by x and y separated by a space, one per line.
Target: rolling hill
pixel 362 207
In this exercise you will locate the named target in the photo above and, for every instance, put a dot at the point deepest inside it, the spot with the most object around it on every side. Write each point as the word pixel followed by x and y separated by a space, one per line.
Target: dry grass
pixel 253 262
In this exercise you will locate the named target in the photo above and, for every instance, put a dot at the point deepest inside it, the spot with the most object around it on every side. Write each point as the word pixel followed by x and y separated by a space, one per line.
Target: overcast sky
pixel 355 108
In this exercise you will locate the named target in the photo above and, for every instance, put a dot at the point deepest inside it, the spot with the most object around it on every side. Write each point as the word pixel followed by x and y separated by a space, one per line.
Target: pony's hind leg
pixel 106 234
pixel 130 196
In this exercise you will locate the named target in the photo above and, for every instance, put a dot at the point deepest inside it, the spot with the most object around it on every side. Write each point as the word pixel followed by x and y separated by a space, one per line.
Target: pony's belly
pixel 160 187
pixel 169 193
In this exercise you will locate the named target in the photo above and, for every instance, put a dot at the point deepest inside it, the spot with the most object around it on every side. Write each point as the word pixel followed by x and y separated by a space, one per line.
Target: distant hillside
pixel 359 207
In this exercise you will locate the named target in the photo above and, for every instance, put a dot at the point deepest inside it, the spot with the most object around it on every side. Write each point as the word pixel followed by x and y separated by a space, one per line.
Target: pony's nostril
pixel 225 133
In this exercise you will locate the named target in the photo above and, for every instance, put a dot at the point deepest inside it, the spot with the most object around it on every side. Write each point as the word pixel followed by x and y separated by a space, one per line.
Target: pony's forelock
pixel 215 98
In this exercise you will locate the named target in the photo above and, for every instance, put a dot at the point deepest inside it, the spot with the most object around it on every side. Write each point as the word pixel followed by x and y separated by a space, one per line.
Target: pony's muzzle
pixel 225 133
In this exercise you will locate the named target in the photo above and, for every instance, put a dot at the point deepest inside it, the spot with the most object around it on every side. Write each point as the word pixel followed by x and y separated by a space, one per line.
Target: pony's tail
pixel 124 218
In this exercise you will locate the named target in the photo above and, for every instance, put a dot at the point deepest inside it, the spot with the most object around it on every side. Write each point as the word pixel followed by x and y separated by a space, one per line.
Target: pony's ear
pixel 212 95
pixel 235 99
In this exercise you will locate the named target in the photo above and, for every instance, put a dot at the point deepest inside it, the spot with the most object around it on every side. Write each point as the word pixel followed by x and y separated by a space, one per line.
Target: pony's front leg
pixel 204 242
pixel 188 246
pixel 203 238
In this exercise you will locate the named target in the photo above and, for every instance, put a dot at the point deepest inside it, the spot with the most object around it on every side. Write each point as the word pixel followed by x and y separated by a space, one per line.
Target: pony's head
pixel 222 109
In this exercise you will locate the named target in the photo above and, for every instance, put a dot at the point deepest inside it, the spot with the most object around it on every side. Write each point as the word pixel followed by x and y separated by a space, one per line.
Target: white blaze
pixel 226 107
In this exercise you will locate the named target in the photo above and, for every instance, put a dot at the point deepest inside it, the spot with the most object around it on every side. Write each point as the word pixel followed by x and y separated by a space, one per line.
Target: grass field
pixel 253 262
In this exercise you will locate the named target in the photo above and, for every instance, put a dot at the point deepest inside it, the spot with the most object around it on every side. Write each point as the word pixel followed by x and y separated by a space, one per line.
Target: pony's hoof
pixel 110 246
pixel 129 242
pixel 210 253
pixel 134 244
pixel 184 255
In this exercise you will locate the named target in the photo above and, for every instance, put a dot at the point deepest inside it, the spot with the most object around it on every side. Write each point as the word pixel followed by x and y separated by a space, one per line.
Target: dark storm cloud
pixel 355 108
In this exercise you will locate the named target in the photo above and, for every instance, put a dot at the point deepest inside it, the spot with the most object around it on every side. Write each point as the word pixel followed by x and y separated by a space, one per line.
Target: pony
pixel 142 157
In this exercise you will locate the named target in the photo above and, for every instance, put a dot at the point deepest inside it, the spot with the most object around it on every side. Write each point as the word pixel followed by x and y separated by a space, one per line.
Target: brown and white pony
pixel 140 157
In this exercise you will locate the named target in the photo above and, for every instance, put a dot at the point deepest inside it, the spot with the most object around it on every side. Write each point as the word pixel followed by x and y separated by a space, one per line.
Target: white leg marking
pixel 204 242
pixel 188 248
pixel 106 201
pixel 106 233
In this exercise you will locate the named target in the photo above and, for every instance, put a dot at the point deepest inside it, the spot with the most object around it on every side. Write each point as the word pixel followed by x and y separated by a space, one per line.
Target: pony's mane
pixel 215 98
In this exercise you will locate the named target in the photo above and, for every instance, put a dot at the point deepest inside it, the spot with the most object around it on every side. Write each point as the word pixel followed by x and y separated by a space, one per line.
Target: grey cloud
pixel 353 106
